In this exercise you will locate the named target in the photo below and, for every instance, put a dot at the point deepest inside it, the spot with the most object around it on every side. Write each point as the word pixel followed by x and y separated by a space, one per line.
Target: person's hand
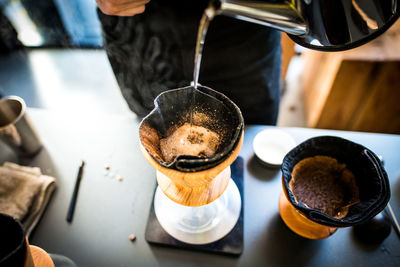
pixel 122 7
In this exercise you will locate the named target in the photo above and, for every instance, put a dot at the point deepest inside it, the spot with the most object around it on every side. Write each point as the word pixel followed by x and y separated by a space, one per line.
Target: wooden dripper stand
pixel 194 188
pixel 190 187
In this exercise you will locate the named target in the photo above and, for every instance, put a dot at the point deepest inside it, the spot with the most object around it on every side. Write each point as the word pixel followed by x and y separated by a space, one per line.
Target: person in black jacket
pixel 150 45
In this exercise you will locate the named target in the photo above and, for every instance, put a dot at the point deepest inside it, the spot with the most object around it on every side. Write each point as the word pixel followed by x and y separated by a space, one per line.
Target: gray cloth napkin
pixel 24 193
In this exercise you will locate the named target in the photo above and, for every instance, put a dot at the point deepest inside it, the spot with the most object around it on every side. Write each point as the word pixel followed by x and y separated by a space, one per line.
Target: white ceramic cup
pixel 16 130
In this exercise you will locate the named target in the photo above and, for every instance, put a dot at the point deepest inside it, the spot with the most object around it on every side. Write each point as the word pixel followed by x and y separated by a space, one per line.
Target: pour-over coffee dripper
pixel 196 201
pixel 370 177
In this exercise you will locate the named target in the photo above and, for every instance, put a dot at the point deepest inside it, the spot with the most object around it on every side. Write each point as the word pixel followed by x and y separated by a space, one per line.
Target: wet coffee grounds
pixel 189 140
pixel 324 184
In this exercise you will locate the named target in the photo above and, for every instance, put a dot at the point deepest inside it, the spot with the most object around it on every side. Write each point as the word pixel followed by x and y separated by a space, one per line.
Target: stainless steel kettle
pixel 328 25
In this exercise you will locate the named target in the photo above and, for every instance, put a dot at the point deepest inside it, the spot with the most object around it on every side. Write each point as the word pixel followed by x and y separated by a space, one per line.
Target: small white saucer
pixel 271 146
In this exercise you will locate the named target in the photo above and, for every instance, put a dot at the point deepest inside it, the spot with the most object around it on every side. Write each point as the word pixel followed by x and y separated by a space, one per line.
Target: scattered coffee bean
pixel 132 237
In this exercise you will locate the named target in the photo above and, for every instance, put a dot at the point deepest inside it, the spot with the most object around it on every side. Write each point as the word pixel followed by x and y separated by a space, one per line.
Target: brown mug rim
pixel 21 112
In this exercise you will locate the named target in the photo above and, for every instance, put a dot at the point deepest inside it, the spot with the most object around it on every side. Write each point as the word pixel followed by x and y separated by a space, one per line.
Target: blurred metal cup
pixel 16 130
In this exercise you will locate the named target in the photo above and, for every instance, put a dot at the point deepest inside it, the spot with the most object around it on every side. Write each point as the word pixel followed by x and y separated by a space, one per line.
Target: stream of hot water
pixel 208 15
pixel 192 139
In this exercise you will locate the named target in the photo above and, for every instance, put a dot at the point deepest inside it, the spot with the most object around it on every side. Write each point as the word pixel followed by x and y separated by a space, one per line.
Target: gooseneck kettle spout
pixel 283 16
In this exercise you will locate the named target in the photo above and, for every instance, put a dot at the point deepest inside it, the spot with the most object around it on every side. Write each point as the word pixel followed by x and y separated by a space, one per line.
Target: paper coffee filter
pixel 371 178
pixel 212 110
